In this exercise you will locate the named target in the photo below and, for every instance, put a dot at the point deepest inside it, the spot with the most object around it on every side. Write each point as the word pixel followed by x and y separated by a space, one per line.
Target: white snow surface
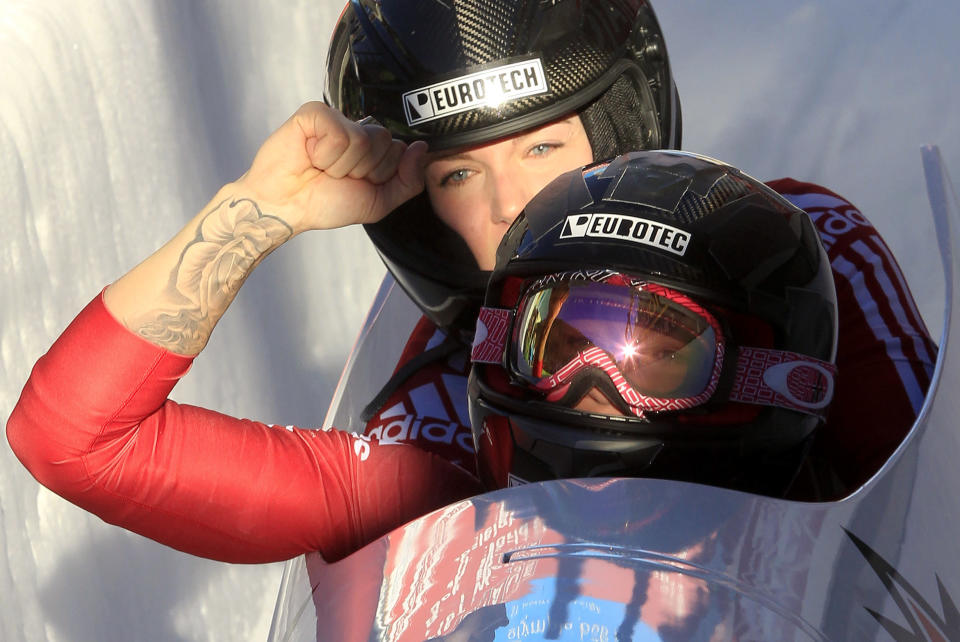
pixel 120 119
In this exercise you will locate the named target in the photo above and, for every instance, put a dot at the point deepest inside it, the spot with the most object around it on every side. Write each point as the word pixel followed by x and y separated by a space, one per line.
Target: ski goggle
pixel 658 348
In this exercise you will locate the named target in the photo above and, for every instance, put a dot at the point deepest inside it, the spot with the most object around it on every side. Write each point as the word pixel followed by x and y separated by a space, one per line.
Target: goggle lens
pixel 662 344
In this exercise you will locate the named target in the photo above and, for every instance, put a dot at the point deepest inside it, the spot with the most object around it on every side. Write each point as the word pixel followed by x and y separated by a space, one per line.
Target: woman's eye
pixel 673 356
pixel 456 177
pixel 542 149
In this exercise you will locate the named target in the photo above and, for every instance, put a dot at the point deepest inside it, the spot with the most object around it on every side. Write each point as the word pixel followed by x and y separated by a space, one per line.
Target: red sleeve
pixel 885 355
pixel 94 425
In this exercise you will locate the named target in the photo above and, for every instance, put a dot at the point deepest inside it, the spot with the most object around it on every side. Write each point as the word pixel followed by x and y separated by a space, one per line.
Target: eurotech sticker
pixel 488 88
pixel 629 228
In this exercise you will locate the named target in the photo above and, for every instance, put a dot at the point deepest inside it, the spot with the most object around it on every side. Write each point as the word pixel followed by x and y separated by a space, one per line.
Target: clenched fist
pixel 320 170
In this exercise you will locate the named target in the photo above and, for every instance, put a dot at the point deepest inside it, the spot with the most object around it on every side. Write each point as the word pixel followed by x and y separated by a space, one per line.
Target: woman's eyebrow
pixel 447 155
pixel 517 140
pixel 523 137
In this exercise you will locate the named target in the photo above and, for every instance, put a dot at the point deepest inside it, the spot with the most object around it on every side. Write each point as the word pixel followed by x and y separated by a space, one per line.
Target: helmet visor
pixel 660 349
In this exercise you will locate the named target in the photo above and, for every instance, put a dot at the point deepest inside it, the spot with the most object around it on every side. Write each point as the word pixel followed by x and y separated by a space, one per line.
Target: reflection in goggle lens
pixel 663 348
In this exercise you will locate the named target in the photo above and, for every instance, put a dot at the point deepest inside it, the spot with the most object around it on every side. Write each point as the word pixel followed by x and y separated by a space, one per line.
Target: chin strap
pixel 444 349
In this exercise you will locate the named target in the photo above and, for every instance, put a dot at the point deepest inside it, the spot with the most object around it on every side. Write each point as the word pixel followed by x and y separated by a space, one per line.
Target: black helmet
pixel 472 71
pixel 698 301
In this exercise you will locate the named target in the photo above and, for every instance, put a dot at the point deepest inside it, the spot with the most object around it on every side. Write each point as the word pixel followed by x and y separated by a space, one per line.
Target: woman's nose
pixel 511 194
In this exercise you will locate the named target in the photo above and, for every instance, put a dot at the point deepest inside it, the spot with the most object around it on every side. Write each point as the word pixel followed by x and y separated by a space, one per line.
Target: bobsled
pixel 648 559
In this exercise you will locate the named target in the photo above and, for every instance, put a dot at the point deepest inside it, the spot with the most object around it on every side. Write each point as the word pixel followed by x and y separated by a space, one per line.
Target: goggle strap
pixel 490 339
pixel 783 379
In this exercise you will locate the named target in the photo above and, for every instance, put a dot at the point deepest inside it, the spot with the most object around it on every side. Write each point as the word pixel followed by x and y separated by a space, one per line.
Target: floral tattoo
pixel 231 240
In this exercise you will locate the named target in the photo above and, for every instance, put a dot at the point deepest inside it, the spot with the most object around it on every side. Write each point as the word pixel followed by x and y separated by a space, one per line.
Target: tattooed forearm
pixel 231 240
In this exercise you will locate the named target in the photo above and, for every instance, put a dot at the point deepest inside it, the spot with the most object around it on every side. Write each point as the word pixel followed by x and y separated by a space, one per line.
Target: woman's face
pixel 478 191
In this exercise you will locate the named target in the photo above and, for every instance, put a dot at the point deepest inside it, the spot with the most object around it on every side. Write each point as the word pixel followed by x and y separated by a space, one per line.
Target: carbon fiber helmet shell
pixel 382 50
pixel 750 257
pixel 604 59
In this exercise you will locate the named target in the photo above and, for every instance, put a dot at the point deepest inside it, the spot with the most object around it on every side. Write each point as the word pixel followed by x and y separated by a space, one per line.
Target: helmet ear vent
pixel 647 45
pixel 653 51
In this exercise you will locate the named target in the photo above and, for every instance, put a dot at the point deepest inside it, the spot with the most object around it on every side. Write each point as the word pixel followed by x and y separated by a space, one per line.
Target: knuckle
pixel 362 144
pixel 312 107
pixel 382 136
pixel 337 140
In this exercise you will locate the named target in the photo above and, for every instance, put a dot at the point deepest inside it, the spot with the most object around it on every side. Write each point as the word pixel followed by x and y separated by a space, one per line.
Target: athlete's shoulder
pixel 789 185
pixel 808 196
pixel 424 336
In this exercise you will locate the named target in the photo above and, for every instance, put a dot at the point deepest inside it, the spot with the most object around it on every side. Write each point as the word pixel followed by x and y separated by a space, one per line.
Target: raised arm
pixel 94 424
pixel 317 171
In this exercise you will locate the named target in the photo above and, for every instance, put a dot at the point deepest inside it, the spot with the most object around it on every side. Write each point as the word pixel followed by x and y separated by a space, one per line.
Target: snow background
pixel 120 119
